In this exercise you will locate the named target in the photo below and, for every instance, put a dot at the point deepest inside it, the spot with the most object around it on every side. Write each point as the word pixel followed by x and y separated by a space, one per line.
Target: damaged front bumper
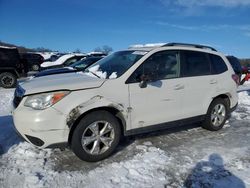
pixel 42 128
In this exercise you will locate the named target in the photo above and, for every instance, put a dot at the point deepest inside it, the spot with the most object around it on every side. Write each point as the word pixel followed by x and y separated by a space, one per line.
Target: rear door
pixel 200 83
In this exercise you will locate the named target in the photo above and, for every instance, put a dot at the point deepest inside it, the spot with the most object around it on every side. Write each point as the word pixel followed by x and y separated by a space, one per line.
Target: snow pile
pixel 96 71
pixel 243 110
pixel 147 45
pixel 244 99
pixel 113 75
pixel 144 170
pixel 24 166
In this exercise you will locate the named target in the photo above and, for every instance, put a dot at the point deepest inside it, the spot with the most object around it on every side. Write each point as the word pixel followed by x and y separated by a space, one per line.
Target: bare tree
pixel 105 49
pixel 77 50
pixel 97 49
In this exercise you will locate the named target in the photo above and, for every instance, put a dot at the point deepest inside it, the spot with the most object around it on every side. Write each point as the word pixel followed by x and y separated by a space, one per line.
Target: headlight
pixel 44 100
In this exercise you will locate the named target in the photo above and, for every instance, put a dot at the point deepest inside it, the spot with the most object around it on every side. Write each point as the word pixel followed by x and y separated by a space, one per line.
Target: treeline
pixel 23 49
pixel 245 62
pixel 105 48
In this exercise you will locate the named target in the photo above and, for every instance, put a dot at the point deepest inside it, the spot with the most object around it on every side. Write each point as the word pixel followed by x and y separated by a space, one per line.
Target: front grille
pixel 18 96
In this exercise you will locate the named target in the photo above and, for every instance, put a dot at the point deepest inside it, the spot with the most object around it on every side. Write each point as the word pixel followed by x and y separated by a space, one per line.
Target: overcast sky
pixel 66 25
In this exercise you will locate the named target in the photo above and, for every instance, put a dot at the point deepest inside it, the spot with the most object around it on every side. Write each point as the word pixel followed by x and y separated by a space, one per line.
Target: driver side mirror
pixel 143 84
pixel 144 81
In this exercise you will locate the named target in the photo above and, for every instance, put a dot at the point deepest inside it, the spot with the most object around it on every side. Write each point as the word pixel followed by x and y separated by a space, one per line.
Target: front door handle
pixel 178 87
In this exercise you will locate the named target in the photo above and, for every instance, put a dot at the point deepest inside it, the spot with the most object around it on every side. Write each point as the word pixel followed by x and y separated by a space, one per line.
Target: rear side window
pixel 218 64
pixel 194 64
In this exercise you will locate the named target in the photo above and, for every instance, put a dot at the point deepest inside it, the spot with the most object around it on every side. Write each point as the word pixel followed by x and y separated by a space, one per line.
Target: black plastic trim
pixel 61 145
pixel 166 125
pixel 192 45
pixel 34 140
pixel 233 108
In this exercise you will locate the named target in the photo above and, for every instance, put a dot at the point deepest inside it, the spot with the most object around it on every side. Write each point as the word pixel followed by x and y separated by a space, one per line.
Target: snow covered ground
pixel 181 157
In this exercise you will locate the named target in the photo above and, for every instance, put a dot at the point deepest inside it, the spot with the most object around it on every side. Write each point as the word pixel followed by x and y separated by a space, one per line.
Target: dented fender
pixel 97 102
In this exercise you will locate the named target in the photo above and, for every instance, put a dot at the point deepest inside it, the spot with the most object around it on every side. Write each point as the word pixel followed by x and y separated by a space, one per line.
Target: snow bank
pixel 6 97
pixel 243 110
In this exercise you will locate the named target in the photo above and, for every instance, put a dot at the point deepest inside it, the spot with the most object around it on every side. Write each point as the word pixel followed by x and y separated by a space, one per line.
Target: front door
pixel 159 98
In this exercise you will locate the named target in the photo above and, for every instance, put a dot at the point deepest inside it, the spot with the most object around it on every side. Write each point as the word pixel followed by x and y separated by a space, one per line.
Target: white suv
pixel 133 91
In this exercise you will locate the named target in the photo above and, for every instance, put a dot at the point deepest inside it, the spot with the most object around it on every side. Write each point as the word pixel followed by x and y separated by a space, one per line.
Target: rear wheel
pixel 96 136
pixel 8 80
pixel 216 115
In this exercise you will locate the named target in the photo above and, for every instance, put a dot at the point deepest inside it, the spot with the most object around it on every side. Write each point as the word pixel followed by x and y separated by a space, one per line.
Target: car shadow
pixel 8 135
pixel 212 173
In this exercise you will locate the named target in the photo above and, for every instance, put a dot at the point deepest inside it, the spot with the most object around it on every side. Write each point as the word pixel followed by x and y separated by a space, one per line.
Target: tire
pixel 8 80
pixel 216 115
pixel 97 146
pixel 35 67
pixel 242 81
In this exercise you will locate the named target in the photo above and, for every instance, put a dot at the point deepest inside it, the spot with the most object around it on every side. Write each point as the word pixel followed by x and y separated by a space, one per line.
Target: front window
pixel 161 65
pixel 114 65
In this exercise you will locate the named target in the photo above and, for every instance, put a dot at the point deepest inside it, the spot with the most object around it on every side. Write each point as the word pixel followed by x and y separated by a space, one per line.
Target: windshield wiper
pixel 93 73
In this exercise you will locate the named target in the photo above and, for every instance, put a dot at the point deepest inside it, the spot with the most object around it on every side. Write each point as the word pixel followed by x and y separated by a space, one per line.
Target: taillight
pixel 236 78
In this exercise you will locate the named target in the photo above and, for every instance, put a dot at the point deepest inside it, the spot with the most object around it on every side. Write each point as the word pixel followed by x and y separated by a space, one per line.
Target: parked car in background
pixel 245 75
pixel 32 61
pixel 98 54
pixel 133 91
pixel 62 61
pixel 11 67
pixel 80 65
pixel 235 63
pixel 54 57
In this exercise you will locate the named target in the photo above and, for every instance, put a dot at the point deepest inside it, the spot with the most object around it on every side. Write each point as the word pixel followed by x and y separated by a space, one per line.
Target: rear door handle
pixel 213 81
pixel 178 87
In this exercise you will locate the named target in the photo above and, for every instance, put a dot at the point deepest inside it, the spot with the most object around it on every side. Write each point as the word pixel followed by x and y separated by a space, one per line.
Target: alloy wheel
pixel 218 115
pixel 98 137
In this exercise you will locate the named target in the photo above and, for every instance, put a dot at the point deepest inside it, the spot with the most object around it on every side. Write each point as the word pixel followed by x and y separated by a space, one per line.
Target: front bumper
pixel 41 128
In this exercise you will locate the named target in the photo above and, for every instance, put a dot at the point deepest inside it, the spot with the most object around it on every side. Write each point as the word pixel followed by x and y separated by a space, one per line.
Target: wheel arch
pixel 225 97
pixel 221 96
pixel 12 71
pixel 114 111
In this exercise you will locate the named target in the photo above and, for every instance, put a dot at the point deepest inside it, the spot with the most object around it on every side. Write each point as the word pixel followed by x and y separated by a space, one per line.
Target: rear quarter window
pixel 218 64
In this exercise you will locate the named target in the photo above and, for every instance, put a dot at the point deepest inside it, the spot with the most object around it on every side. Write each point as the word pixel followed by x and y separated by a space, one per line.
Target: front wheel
pixel 96 136
pixel 216 115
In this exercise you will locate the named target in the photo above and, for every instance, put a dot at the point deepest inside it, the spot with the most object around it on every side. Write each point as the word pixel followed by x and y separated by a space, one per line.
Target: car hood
pixel 70 81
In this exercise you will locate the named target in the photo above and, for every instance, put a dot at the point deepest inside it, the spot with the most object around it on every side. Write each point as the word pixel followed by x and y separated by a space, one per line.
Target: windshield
pixel 114 65
pixel 84 63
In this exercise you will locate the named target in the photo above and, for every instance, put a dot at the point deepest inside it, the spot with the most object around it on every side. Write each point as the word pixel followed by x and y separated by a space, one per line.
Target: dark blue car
pixel 75 67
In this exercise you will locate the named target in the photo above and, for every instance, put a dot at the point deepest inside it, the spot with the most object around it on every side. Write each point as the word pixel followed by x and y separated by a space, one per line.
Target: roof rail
pixel 193 45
